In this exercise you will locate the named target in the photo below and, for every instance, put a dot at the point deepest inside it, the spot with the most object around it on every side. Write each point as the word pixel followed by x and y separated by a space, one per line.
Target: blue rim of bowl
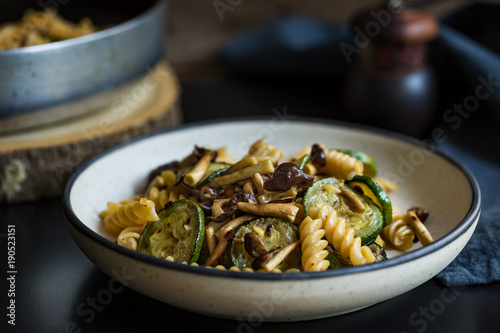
pixel 460 229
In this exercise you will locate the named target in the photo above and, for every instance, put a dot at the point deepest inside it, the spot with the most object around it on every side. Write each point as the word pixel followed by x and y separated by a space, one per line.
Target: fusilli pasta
pixel 312 245
pixel 343 239
pixel 128 213
pixel 398 233
pixel 160 190
pixel 263 151
pixel 129 237
pixel 341 166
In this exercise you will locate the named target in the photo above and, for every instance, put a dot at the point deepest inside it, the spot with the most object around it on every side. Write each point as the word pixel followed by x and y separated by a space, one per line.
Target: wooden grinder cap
pixel 399 26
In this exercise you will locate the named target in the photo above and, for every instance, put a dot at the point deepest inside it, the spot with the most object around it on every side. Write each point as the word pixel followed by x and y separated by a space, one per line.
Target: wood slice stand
pixel 36 163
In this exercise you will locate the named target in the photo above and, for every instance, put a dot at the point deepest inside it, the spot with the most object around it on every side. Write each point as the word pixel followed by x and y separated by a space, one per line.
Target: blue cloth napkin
pixel 465 55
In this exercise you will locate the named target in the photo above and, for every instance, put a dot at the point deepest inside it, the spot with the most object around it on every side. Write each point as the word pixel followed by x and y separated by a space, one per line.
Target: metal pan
pixel 38 77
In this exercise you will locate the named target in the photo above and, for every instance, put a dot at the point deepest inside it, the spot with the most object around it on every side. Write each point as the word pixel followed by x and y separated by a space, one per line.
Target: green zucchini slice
pixel 336 261
pixel 274 233
pixel 301 162
pixel 370 188
pixel 378 252
pixel 178 233
pixel 335 194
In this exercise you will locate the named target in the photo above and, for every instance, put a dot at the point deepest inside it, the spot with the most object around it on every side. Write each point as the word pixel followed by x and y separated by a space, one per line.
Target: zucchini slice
pixel 378 251
pixel 273 233
pixel 370 188
pixel 301 162
pixel 336 261
pixel 336 195
pixel 369 165
pixel 178 233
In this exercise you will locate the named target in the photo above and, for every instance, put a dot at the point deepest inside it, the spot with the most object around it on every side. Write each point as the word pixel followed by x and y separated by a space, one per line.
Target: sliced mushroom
pixel 263 167
pixel 230 208
pixel 199 152
pixel 352 201
pixel 217 207
pixel 261 260
pixel 218 251
pixel 318 157
pixel 246 162
pixel 235 223
pixel 229 235
pixel 199 169
pixel 223 242
pixel 277 196
pixel 229 214
pixel 254 245
pixel 284 211
pixel 248 188
pixel 269 230
pixel 210 237
pixel 242 197
pixel 423 235
pixel 209 193
pixel 278 258
pixel 186 163
pixel 286 176
pixel 422 213
pixel 259 183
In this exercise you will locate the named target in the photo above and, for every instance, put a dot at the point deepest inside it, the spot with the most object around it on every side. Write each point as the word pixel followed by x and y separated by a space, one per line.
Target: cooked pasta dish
pixel 320 209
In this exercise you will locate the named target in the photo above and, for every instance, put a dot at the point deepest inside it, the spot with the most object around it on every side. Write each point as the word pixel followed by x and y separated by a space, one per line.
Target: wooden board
pixel 36 163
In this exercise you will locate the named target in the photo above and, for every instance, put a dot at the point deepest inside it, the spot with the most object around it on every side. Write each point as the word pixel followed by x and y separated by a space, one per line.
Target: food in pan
pixel 315 211
pixel 41 27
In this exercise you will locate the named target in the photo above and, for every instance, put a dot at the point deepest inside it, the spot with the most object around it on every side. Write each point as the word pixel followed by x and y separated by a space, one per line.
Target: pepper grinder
pixel 389 84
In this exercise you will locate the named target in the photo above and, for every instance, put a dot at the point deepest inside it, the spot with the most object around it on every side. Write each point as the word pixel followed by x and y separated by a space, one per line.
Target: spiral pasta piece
pixel 112 207
pixel 161 189
pixel 166 179
pixel 341 166
pixel 263 151
pixel 162 197
pixel 133 213
pixel 129 237
pixel 159 197
pixel 343 239
pixel 313 246
pixel 398 233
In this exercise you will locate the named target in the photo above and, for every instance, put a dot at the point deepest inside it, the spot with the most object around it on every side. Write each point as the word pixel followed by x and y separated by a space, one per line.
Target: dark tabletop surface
pixel 54 278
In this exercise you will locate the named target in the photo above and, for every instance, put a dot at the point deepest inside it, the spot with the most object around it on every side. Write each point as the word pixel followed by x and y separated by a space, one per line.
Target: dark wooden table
pixel 57 289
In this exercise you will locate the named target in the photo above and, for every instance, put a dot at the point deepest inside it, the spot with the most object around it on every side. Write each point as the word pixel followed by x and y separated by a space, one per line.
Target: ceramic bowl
pixel 425 177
